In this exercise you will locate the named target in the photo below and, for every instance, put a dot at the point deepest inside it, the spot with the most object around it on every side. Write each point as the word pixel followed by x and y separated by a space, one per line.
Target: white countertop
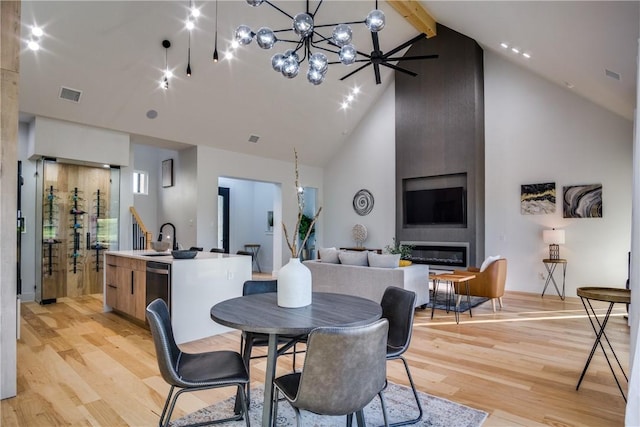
pixel 150 255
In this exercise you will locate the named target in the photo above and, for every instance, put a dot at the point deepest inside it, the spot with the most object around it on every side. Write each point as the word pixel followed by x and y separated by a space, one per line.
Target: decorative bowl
pixel 184 254
pixel 160 246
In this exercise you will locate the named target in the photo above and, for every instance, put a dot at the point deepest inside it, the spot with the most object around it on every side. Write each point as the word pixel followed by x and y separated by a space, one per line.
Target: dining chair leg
pixel 415 396
pixel 349 420
pixel 298 417
pixel 243 403
pixel 383 406
pixel 166 405
pixel 360 418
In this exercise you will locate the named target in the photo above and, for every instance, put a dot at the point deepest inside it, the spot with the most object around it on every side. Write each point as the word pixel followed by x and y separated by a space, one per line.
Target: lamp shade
pixel 553 237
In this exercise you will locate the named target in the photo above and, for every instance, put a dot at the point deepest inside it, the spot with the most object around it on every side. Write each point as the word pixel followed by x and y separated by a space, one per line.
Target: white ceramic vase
pixel 294 285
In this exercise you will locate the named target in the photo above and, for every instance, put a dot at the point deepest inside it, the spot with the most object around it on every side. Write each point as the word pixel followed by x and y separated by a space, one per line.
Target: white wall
pixel 147 159
pixel 367 161
pixel 539 132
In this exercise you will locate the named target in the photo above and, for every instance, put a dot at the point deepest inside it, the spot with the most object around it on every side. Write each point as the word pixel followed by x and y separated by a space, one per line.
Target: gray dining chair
pixel 398 308
pixel 344 370
pixel 193 371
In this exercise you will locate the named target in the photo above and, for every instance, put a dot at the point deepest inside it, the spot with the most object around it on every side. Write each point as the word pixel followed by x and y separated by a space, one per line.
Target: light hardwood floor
pixel 78 366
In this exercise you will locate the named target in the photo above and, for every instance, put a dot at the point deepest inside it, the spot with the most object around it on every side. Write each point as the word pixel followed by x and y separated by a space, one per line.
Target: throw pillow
pixel 488 262
pixel 354 258
pixel 329 255
pixel 384 261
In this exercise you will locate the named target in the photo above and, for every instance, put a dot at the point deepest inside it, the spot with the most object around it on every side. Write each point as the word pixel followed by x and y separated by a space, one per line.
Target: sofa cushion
pixel 488 262
pixel 329 255
pixel 384 261
pixel 354 258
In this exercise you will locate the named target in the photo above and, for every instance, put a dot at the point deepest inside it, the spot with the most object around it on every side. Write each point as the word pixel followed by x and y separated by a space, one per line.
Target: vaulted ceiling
pixel 112 52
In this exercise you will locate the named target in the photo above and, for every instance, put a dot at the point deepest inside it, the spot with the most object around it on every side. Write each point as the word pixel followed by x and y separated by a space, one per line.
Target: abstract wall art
pixel 536 199
pixel 582 201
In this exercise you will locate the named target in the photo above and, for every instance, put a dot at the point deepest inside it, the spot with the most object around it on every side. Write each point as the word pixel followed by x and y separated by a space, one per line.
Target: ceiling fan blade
pixel 402 70
pixel 355 71
pixel 412 58
pixel 405 44
pixel 376 71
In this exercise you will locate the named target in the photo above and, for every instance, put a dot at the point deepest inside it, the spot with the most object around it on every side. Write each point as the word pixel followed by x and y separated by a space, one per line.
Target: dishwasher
pixel 158 282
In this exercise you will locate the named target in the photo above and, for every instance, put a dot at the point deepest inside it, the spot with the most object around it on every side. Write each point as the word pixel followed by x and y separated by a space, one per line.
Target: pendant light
pixel 164 84
pixel 215 42
pixel 189 57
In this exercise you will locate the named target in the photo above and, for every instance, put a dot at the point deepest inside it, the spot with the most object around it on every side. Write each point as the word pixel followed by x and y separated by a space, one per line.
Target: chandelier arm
pixel 338 23
pixel 410 58
pixel 406 44
pixel 277 8
pixel 357 60
pixel 376 72
pixel 376 42
pixel 317 8
pixel 355 71
pixel 402 70
pixel 315 46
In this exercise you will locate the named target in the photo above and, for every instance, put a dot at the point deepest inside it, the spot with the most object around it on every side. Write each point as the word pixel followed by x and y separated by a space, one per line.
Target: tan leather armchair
pixel 490 282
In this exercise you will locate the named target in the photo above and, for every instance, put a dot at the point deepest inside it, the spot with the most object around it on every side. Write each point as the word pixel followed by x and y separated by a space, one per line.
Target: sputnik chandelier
pixel 310 45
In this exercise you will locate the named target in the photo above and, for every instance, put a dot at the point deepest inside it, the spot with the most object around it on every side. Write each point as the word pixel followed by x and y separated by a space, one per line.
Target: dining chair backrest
pixel 167 351
pixel 217 250
pixel 251 287
pixel 344 369
pixel 398 308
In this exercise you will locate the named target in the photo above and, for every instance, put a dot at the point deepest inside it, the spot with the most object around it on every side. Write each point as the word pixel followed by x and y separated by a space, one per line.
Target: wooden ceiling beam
pixel 416 15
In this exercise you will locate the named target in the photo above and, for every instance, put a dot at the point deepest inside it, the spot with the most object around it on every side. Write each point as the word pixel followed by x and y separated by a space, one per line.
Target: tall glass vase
pixel 294 285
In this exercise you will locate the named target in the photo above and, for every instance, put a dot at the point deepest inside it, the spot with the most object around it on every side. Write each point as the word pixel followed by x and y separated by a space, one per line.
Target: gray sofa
pixel 369 282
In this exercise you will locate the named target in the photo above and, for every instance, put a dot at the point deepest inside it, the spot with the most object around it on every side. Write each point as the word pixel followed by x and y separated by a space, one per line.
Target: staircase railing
pixel 142 237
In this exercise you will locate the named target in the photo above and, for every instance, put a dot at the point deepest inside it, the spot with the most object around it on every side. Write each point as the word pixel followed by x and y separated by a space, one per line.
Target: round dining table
pixel 260 313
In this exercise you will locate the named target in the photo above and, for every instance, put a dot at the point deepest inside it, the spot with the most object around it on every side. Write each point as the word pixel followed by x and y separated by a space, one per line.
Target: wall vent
pixel 612 74
pixel 254 138
pixel 69 94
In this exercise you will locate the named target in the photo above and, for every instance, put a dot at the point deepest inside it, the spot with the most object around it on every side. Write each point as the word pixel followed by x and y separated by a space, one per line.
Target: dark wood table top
pixel 260 313
pixel 605 294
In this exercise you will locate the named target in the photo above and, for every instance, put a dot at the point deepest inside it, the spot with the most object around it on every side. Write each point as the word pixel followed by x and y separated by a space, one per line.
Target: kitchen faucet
pixel 175 242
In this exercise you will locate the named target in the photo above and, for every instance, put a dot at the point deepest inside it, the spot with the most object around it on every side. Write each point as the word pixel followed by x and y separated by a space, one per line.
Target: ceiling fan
pixel 378 58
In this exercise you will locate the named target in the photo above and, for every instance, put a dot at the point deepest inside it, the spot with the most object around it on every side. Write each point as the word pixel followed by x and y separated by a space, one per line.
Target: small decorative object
pixel 363 202
pixel 359 233
pixel 294 279
pixel 160 246
pixel 553 238
pixel 405 263
pixel 269 220
pixel 397 248
pixel 582 201
pixel 184 254
pixel 538 198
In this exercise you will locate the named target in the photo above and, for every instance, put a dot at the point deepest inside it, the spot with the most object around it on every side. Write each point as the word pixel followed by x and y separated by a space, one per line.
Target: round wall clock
pixel 363 202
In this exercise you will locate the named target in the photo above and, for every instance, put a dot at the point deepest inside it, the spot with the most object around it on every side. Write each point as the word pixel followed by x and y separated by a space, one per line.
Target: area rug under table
pixel 400 403
pixel 464 306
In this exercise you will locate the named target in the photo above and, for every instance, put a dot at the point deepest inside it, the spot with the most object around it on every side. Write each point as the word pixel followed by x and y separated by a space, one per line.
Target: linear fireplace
pixel 441 254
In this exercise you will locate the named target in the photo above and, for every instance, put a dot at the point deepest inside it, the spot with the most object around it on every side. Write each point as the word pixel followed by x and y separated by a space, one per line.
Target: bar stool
pixel 254 249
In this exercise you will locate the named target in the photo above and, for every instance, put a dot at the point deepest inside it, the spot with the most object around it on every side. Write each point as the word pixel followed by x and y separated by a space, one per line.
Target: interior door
pixel 223 218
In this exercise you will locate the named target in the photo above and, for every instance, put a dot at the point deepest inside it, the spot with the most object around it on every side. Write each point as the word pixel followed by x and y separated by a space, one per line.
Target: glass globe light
pixel 375 20
pixel 277 61
pixel 290 53
pixel 265 38
pixel 348 54
pixel 314 76
pixel 290 67
pixel 342 34
pixel 303 24
pixel 318 61
pixel 244 35
pixel 254 3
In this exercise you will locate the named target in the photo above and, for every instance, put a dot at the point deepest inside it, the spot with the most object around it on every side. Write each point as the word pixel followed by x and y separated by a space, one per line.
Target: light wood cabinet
pixel 126 285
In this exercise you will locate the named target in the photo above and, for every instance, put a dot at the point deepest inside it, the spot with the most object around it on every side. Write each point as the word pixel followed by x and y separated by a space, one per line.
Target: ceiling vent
pixel 69 94
pixel 612 74
pixel 254 138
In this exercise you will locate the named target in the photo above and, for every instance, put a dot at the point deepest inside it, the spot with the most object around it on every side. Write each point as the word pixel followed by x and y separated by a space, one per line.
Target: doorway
pixel 223 218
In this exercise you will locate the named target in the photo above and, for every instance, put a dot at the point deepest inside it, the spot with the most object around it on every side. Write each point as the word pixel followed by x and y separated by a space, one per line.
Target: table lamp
pixel 554 238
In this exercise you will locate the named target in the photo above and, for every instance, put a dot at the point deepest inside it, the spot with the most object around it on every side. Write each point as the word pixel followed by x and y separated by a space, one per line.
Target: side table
pixel 612 296
pixel 254 248
pixel 453 282
pixel 550 265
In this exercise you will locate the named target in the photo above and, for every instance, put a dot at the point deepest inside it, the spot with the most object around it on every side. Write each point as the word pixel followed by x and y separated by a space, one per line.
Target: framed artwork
pixel 536 199
pixel 582 201
pixel 269 220
pixel 167 173
pixel 363 202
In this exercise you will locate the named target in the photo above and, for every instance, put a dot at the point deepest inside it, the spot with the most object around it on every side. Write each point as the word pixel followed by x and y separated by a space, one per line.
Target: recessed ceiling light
pixel 37 31
pixel 33 45
pixel 514 50
pixel 526 55
pixel 504 45
pixel 569 85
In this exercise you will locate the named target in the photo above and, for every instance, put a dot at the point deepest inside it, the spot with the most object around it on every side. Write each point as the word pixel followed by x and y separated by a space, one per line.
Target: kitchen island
pixel 190 286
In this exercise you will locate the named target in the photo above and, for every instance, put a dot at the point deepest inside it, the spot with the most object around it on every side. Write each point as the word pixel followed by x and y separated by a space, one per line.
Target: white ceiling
pixel 112 52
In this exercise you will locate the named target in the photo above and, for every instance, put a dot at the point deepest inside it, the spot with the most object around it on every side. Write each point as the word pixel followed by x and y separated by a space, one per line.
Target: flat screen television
pixel 438 206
